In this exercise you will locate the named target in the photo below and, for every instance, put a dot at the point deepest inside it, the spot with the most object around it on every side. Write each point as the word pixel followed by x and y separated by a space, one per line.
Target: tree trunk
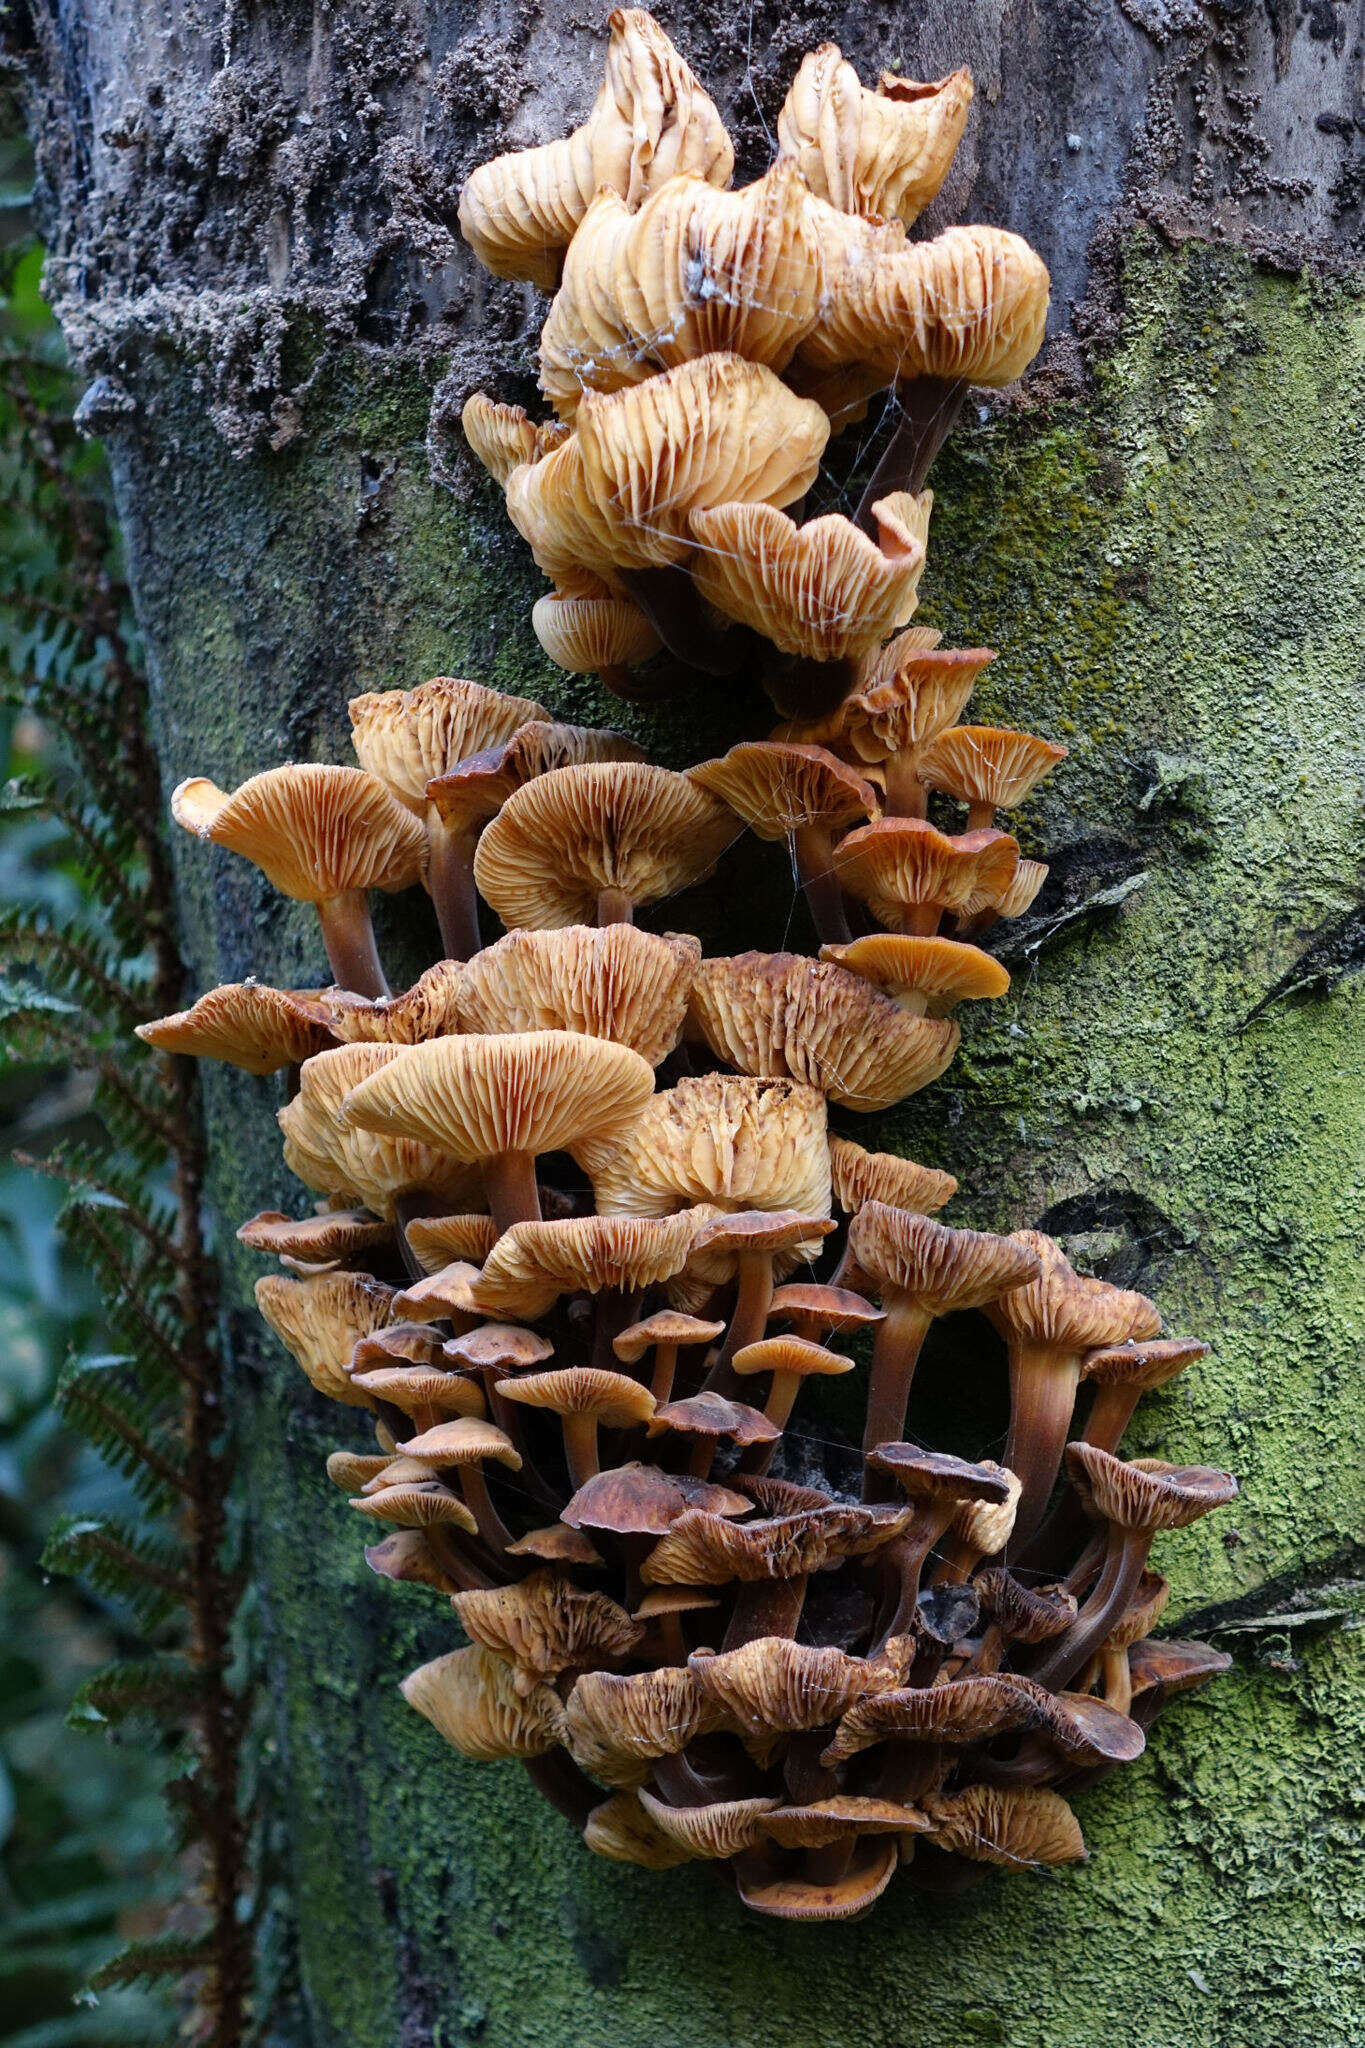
pixel 254 254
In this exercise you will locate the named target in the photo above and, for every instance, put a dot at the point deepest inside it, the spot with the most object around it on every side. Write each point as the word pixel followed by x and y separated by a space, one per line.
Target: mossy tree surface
pixel 1168 556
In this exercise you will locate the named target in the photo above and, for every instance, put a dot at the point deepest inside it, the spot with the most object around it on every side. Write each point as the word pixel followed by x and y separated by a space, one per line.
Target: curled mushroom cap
pixel 570 837
pixel 695 271
pixel 426 1010
pixel 611 982
pixel 843 1898
pixel 650 121
pixel 905 693
pixel 779 789
pixel 876 153
pixel 503 438
pixel 781 1014
pixel 477 790
pixel 1061 1309
pixel 1020 891
pixel 436 1241
pixel 846 1815
pixel 544 1624
pixel 704 1549
pixel 1141 1363
pixel 740 1143
pixel 407 737
pixel 1025 1614
pixel 314 831
pixel 902 865
pixel 1174 1666
pixel 963 1710
pixel 471 1697
pixel 609 1397
pixel 319 1320
pixel 935 1478
pixel 250 1026
pixel 532 1264
pixel 774 1683
pixel 481 1095
pixel 338 1158
pixel 858 1177
pixel 587 634
pixel 621 1829
pixel 712 1416
pixel 1009 1825
pixel 614 1727
pixel 984 764
pixel 983 1526
pixel 823 590
pixel 941 1269
pixel 937 972
pixel 315 1240
pixel 723 1828
pixel 1145 1493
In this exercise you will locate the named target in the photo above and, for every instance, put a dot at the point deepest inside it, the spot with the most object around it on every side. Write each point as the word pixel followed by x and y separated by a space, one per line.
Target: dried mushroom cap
pixel 651 121
pixel 1009 1825
pixel 544 1624
pixel 1062 1309
pixel 1174 1666
pixel 741 1143
pixel 712 1415
pixel 608 1397
pixel 480 786
pixel 621 1829
pixel 437 1240
pixel 250 1026
pixel 557 1545
pixel 1143 1612
pixel 984 764
pixel 858 1177
pixel 960 1711
pixel 407 737
pixel 942 971
pixel 587 634
pixel 314 831
pixel 1026 1614
pixel 319 1320
pixel 843 1898
pixel 336 1158
pixel 724 1828
pixel 1144 1493
pixel 640 1500
pixel 469 1440
pixel 532 1264
pixel 823 590
pixel 426 1010
pixel 984 1526
pixel 782 1014
pixel 774 1683
pixel 778 788
pixel 503 437
pixel 834 1820
pixel 614 1727
pixel 1143 1364
pixel 668 1326
pixel 901 864
pixel 1020 892
pixel 565 839
pixel 905 694
pixel 405 1557
pixel 875 153
pixel 797 1357
pixel 471 1697
pixel 481 1095
pixel 314 1240
pixel 703 1549
pixel 610 981
pixel 936 1476
pixel 502 1347
pixel 415 1504
pixel 695 271
pixel 941 1269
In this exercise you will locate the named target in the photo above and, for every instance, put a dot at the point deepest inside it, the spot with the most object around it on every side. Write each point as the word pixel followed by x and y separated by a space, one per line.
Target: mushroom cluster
pixel 583 1232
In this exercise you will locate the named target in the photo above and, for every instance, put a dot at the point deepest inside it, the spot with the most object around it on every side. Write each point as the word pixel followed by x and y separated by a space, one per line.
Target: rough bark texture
pixel 251 216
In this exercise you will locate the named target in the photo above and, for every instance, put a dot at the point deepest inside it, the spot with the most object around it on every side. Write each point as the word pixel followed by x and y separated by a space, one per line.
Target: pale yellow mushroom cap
pixel 503 437
pixel 340 1159
pixel 613 981
pixel 408 737
pixel 319 1320
pixel 740 1143
pixel 471 1697
pixel 250 1026
pixel 882 152
pixel 588 634
pixel 314 831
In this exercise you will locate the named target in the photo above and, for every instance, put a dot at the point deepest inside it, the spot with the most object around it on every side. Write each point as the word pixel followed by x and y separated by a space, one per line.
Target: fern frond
pixel 79 959
pixel 149 1572
pixel 164 1690
pixel 152 1962
pixel 101 1399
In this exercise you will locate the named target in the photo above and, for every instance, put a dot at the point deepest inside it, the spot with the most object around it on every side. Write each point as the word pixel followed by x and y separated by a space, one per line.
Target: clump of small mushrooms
pixel 583 1237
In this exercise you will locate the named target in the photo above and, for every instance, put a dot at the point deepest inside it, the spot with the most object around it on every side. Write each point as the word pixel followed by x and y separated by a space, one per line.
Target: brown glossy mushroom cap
pixel 476 791
pixel 844 1898
pixel 668 1326
pixel 778 788
pixel 467 1440
pixel 621 1829
pixel 471 1697
pixel 876 153
pixel 407 737
pixel 902 863
pixel 942 971
pixel 1014 1826
pixel 556 1544
pixel 500 1347
pixel 724 1828
pixel 609 1397
pixel 615 1726
pixel 338 1159
pixel 936 1476
pixel 790 1355
pixel 319 1320
pixel 960 1711
pixel 639 1500
pixel 985 764
pixel 675 1600
pixel 315 1240
pixel 774 1683
pixel 611 982
pixel 777 1497
pixel 565 838
pixel 1174 1666
pixel 1145 1493
pixel 426 1010
pixel 419 1389
pixel 1089 1733
pixel 436 1241
pixel 585 635
pixel 250 1026
pixel 835 1310
pixel 406 1558
pixel 1143 1364
pixel 781 1014
pixel 1066 1310
pixel 712 1415
pixel 532 1264
pixel 939 1269
pixel 398 1344
pixel 703 1549
pixel 544 1624
pixel 740 1143
pixel 503 437
pixel 858 1177
pixel 1026 1614
pixel 481 1095
pixel 314 831
pixel 834 1820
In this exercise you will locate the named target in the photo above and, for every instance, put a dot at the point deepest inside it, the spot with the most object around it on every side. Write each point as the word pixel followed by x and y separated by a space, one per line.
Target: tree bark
pixel 251 220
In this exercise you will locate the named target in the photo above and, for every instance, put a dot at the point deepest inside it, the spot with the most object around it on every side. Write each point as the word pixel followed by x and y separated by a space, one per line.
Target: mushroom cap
pixel 985 764
pixel 480 786
pixel 1145 1493
pixel 903 862
pixel 945 971
pixel 790 1355
pixel 704 1549
pixel 480 1095
pixel 567 836
pixel 315 1240
pixel 557 1545
pixel 723 1828
pixel 414 1504
pixel 825 591
pixel 621 1829
pixel 858 1177
pixel 437 1240
pixel 941 1270
pixel 1026 1614
pixel 692 272
pixel 1144 1364
pixel 413 1387
pixel 668 1326
pixel 712 1415
pixel 584 635
pixel 503 437
pixel 781 1014
pixel 1011 1825
pixel 640 1500
pixel 1019 893
pixel 442 1296
pixel 319 1320
pixel 876 153
pixel 834 1820
pixel 737 1142
pixel 650 122
pixel 313 830
pixel 339 1159
pixel 397 1344
pixel 675 1600
pixel 774 1683
pixel 613 981
pixel 935 1477
pixel 350 1470
pixel 985 1526
pixel 777 1497
pixel 609 1397
pixel 532 1264
pixel 1174 1666
pixel 801 1898
pixel 405 1557
pixel 614 1727
pixel 468 1440
pixel 963 1710
pixel 502 1347
pixel 812 1306
pixel 906 693
pixel 426 1010
pixel 1142 1614
pixel 250 1026
pixel 544 1624
pixel 778 787
pixel 407 737
pixel 1064 1310
pixel 471 1697
pixel 1088 1732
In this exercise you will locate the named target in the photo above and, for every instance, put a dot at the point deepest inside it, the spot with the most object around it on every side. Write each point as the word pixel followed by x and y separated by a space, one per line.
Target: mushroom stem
pixel 557 1778
pixel 665 1365
pixel 492 1529
pixel 702 1458
pixel 1043 1382
pixel 682 1784
pixel 670 601
pixel 905 1557
pixel 813 860
pixel 614 907
pixel 455 1561
pixel 980 816
pixel 765 1607
pixel 348 935
pixel 920 920
pixel 1117 1680
pixel 828 1866
pixel 904 795
pixel 1110 1413
pixel 895 1354
pixel 1124 1562
pixel 450 880
pixel 580 1448
pixel 805 1777
pixel 929 408
pixel 510 1183
pixel 748 1318
pixel 778 1408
